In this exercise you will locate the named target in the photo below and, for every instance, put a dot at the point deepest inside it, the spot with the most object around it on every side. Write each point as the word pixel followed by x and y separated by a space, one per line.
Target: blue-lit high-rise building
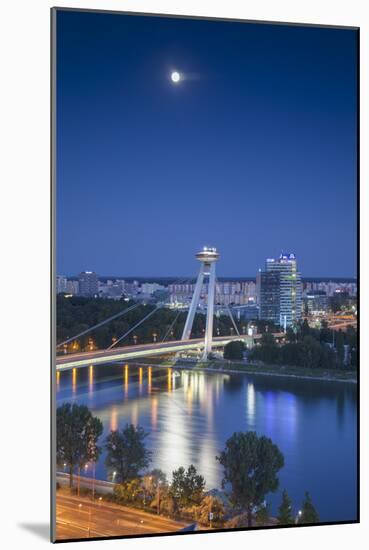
pixel 281 291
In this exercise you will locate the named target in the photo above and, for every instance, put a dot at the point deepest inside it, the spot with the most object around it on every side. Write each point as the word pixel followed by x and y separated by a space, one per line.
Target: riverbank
pixel 235 367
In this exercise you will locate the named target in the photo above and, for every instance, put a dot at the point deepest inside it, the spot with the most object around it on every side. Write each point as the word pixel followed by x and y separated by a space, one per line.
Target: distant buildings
pixel 280 297
pixel 277 294
pixel 88 284
pixel 315 302
pixel 331 287
pixel 151 288
pixel 227 293
pixel 61 284
pixel 72 287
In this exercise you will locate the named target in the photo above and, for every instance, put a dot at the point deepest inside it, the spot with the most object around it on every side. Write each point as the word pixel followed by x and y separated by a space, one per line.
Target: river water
pixel 190 414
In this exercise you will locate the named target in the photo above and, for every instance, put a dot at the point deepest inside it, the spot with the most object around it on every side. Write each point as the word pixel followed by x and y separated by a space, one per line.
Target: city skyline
pixel 266 142
pixel 205 298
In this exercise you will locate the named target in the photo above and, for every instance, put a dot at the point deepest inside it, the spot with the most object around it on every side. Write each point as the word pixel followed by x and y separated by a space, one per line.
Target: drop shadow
pixel 42 530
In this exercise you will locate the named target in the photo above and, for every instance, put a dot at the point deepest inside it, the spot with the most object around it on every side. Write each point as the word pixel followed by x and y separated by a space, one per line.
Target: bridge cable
pixel 172 325
pixel 230 314
pixel 115 316
pixel 233 321
pixel 98 325
pixel 135 326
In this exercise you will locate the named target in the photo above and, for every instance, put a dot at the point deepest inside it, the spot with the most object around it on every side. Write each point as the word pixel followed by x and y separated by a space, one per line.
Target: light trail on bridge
pixel 84 359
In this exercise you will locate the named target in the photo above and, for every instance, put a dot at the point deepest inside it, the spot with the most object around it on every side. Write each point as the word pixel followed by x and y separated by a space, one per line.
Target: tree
pixel 311 352
pixel 328 358
pixel 152 482
pixel 351 336
pixel 126 452
pixel 234 350
pixel 290 335
pixel 165 501
pixel 268 351
pixel 305 330
pixel 353 358
pixel 130 491
pixel 187 486
pixel 285 516
pixel 77 433
pixel 309 514
pixel 211 505
pixel 251 464
pixel 262 515
pixel 340 342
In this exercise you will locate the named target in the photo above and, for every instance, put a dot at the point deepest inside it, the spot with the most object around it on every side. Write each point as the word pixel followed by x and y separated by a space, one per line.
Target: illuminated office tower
pixel 281 291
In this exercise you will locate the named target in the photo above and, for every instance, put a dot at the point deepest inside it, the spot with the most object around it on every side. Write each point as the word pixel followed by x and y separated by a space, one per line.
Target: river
pixel 190 414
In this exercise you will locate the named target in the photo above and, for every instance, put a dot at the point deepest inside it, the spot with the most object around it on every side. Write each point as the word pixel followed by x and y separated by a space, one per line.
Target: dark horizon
pixel 254 152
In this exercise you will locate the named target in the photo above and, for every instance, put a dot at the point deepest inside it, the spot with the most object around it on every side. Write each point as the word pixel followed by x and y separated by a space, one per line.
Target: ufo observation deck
pixel 208 255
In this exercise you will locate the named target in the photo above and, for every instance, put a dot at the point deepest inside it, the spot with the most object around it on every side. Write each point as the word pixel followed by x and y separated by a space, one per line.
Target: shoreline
pixel 230 370
pixel 278 374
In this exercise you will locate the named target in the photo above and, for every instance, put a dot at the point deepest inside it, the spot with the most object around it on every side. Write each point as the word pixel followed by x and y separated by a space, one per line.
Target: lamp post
pixel 158 496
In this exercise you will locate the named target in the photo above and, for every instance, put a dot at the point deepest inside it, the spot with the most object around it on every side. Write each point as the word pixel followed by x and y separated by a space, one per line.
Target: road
pixel 72 360
pixel 84 359
pixel 79 517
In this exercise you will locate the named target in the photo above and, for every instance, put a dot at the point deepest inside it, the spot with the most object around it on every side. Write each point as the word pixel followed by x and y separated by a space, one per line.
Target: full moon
pixel 175 76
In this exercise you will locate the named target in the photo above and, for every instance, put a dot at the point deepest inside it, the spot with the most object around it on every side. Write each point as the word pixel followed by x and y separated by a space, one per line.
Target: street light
pixel 158 496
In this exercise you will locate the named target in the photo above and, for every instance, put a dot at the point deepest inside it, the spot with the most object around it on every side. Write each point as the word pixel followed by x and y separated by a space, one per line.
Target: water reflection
pixel 169 377
pixel 149 379
pixel 140 379
pixel 250 402
pixel 91 380
pixel 154 412
pixel 114 419
pixel 190 414
pixel 134 415
pixel 74 381
pixel 126 381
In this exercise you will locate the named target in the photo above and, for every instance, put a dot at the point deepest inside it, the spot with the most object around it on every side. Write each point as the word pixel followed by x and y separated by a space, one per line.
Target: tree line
pixel 304 347
pixel 76 314
pixel 251 464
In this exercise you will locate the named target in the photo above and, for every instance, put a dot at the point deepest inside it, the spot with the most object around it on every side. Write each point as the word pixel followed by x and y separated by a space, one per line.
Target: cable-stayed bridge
pixel 84 359
pixel 207 257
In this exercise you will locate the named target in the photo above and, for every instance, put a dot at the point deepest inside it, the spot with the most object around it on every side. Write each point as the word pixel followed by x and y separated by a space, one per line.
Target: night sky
pixel 254 152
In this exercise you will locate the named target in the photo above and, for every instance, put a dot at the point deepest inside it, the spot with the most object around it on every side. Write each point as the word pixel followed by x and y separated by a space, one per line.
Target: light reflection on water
pixel 190 414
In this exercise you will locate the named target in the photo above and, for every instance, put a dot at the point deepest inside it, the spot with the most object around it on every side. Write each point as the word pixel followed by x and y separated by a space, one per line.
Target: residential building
pixel 88 283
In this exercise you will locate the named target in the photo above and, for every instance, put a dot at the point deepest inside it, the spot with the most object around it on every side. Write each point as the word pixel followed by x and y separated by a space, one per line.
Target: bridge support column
pixel 210 312
pixel 194 303
pixel 207 257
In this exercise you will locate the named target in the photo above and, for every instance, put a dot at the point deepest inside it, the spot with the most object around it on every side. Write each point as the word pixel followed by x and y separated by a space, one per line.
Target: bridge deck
pixel 76 360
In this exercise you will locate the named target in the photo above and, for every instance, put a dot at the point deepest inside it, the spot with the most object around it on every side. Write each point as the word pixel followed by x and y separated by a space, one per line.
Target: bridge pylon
pixel 208 257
